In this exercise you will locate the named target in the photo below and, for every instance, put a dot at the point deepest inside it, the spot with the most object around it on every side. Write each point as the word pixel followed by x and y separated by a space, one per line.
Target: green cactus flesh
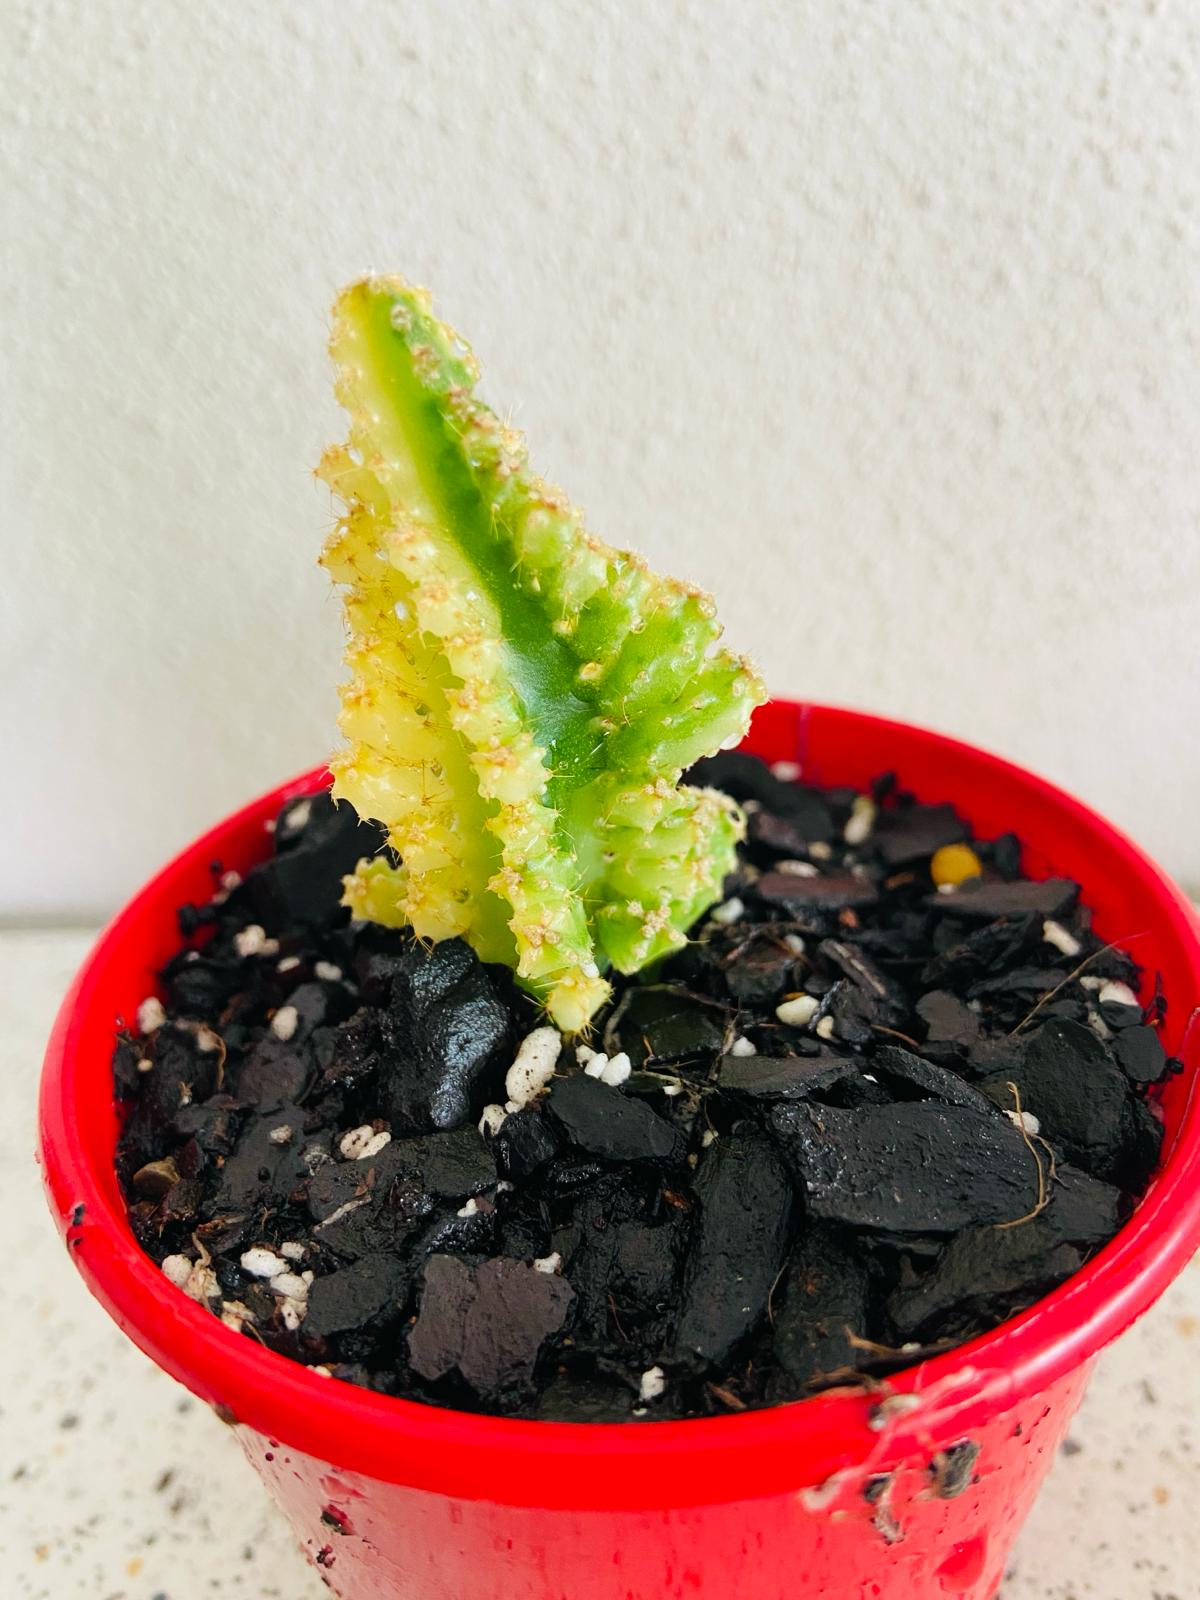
pixel 522 698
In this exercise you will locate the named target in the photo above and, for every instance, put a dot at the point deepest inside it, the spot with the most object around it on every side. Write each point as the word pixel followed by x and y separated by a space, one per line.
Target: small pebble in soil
pixel 889 1094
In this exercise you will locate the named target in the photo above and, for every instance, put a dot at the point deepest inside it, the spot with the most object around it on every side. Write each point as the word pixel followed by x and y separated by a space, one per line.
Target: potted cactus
pixel 522 699
pixel 520 1127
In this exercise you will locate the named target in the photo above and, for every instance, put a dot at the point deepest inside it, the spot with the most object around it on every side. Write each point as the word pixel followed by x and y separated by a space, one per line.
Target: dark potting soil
pixel 859 1119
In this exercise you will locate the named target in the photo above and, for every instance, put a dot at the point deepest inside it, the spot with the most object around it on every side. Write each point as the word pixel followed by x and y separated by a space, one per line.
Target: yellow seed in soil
pixel 954 863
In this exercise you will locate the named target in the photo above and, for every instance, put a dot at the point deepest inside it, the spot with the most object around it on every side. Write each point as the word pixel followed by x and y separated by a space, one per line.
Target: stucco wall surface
pixel 878 319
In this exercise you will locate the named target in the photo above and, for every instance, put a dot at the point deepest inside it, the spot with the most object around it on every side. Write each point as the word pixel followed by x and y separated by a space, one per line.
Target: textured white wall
pixel 880 320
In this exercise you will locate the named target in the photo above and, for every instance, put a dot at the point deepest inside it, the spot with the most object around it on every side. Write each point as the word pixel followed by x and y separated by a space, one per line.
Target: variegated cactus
pixel 522 698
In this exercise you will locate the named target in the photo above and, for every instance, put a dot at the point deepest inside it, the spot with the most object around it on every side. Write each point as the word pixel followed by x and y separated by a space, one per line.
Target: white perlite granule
pixel 285 1022
pixel 861 820
pixel 492 1120
pixel 150 1014
pixel 260 1262
pixel 533 1066
pixel 653 1384
pixel 1061 938
pixel 799 1011
pixel 728 911
pixel 360 1143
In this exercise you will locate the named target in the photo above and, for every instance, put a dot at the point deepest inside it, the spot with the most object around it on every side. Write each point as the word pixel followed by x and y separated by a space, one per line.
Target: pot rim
pixel 624 1465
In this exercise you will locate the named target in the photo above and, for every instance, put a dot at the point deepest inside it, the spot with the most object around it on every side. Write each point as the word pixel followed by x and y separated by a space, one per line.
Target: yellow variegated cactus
pixel 522 698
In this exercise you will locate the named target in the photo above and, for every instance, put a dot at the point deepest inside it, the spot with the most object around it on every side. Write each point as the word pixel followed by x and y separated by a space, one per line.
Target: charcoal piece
pixel 1005 854
pixel 775 836
pixel 821 1302
pixel 656 1023
pixel 262 1169
pixel 574 1397
pixel 571 1174
pixel 760 974
pixel 1141 1146
pixel 1070 1082
pixel 747 778
pixel 953 1469
pixel 335 1184
pixel 381 1212
pixel 1025 984
pixel 829 891
pixel 379 954
pixel 645 1265
pixel 858 968
pixel 213 1123
pixel 371 1289
pixel 588 1246
pixel 738 1247
pixel 981 953
pixel 992 1057
pixel 182 1073
pixel 453 1233
pixel 490 1322
pixel 317 1004
pixel 855 1090
pixel 903 1066
pixel 604 1122
pixel 452 1165
pixel 353 1049
pixel 986 901
pixel 911 833
pixel 448 1039
pixel 515 1310
pixel 435 1341
pixel 1140 1054
pixel 126 1076
pixel 983 1275
pixel 1119 1017
pixel 855 1013
pixel 201 986
pixel 1082 1210
pixel 947 1019
pixel 783 1077
pixel 274 1074
pixel 301 885
pixel 916 1167
pixel 525 1142
pixel 524 1227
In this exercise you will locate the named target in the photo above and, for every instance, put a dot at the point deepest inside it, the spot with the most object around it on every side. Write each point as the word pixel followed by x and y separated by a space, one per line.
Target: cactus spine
pixel 522 698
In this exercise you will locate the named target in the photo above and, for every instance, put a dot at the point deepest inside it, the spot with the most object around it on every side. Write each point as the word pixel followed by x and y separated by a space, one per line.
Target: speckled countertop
pixel 116 1485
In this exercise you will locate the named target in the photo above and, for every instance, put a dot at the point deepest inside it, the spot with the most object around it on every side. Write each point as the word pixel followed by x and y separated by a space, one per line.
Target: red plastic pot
pixel 398 1501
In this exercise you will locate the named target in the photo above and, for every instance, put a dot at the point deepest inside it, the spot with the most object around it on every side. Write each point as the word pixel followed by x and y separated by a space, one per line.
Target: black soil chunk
pixel 948 1124
pixel 784 1077
pixel 1069 1081
pixel 821 1309
pixel 914 1167
pixel 914 832
pixel 746 778
pixel 317 844
pixel 981 1272
pixel 739 1244
pixel 447 1037
pixel 986 901
pixel 1140 1055
pixel 489 1322
pixel 355 1297
pixel 659 1025
pixel 832 891
pixel 605 1122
